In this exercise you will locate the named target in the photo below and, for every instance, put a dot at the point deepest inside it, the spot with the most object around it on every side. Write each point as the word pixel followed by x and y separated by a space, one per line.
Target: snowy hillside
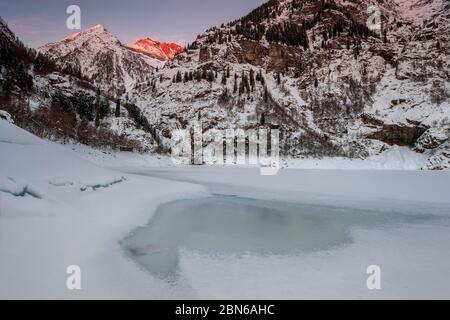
pixel 59 103
pixel 315 70
pixel 418 11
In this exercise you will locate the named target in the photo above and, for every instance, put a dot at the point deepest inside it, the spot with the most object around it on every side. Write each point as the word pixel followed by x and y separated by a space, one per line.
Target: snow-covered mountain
pixel 101 57
pixel 315 70
pixel 58 103
pixel 160 50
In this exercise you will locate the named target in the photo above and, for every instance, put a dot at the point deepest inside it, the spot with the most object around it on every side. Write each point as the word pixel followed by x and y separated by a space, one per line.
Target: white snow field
pixel 57 209
pixel 41 237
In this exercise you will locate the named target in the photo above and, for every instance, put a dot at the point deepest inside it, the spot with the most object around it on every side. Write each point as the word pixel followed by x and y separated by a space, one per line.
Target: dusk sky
pixel 39 22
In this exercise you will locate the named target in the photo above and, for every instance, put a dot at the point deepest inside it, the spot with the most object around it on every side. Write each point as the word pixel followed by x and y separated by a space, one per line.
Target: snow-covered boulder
pixel 6 116
pixel 440 161
pixel 431 139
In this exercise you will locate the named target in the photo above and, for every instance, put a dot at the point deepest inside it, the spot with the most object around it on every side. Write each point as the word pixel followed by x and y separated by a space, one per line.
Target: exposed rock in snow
pixel 6 116
pixel 432 139
pixel 400 135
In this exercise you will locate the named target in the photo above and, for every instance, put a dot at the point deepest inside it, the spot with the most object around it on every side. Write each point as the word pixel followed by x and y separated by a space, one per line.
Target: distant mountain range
pixel 111 65
pixel 311 68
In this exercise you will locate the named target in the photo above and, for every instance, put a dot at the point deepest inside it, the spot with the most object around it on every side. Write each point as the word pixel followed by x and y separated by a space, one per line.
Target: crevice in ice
pixel 25 191
pixel 61 184
pixel 95 187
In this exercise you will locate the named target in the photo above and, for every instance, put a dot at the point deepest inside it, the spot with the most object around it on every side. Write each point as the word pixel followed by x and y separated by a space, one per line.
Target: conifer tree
pixel 178 78
pixel 97 119
pixel 210 76
pixel 241 88
pixel 117 113
pixel 224 79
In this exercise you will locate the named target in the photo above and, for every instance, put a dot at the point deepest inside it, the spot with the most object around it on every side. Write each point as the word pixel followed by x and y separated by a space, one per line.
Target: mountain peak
pixel 98 28
pixel 101 56
pixel 154 48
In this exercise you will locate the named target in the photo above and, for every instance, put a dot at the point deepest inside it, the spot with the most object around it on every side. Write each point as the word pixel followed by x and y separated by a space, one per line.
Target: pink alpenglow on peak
pixel 160 50
pixel 96 28
pixel 73 36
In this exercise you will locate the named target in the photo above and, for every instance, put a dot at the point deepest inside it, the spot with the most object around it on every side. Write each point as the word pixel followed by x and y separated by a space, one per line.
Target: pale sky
pixel 39 22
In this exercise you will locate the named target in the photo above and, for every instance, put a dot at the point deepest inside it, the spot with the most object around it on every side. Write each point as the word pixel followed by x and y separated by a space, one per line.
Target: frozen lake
pixel 235 226
pixel 302 234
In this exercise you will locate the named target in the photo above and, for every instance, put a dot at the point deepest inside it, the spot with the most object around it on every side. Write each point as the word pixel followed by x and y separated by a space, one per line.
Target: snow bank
pixel 396 158
pixel 57 209
pixel 6 116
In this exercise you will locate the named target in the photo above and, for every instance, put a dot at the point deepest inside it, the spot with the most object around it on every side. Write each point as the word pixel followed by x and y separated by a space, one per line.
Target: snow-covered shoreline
pixel 82 211
pixel 396 158
pixel 40 238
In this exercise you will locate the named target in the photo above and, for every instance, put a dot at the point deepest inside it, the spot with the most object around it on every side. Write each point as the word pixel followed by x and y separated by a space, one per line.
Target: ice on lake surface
pixel 234 226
